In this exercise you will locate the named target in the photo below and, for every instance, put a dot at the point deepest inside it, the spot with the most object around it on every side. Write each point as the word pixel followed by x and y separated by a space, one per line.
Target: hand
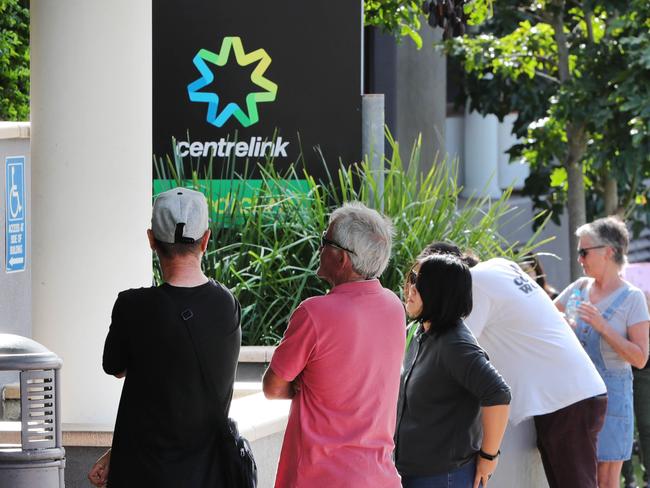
pixel 484 470
pixel 296 385
pixel 98 475
pixel 591 315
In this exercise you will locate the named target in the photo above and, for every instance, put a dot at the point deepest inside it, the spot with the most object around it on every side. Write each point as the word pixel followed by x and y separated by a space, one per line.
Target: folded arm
pixel 277 388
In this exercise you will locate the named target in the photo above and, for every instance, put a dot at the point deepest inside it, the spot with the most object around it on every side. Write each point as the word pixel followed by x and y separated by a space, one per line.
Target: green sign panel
pixel 228 199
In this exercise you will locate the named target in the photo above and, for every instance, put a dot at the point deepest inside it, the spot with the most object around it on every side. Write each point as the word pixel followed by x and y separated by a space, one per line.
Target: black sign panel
pixel 251 79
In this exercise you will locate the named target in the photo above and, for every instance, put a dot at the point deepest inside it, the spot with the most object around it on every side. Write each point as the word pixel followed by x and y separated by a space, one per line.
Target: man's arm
pixel 114 359
pixel 282 378
pixel 276 388
pixel 98 475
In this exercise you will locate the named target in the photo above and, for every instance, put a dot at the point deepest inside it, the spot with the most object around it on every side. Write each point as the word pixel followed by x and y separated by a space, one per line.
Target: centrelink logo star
pixel 215 117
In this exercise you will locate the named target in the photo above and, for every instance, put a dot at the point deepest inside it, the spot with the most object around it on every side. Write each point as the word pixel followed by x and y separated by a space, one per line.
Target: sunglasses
pixel 324 241
pixel 583 251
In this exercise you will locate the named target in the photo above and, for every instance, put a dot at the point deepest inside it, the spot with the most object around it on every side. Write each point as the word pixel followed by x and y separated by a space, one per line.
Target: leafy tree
pixel 14 60
pixel 402 18
pixel 577 73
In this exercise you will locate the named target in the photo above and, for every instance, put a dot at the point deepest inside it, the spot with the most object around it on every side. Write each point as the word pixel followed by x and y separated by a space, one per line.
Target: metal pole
pixel 372 135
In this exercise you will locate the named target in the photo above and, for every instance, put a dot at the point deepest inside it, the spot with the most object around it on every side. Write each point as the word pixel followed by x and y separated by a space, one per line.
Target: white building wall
pixel 481 152
pixel 454 140
pixel 510 173
pixel 479 143
pixel 91 183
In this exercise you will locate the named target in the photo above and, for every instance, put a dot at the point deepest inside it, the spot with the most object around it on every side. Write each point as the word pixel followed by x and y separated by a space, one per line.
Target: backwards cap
pixel 179 215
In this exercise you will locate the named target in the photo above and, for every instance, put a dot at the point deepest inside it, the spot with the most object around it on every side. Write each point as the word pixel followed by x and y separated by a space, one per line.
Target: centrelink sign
pixel 250 81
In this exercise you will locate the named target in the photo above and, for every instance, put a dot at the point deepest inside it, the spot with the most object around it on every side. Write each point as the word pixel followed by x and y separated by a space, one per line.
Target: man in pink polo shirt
pixel 339 361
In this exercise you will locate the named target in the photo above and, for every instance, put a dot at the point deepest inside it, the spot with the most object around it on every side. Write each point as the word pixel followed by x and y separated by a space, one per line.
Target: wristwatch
pixel 489 457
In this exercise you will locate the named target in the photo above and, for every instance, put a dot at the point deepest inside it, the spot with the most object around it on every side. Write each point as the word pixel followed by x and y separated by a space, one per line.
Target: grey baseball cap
pixel 179 215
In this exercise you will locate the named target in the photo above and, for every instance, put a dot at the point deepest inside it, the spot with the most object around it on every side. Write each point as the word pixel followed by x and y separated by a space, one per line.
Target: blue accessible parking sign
pixel 15 214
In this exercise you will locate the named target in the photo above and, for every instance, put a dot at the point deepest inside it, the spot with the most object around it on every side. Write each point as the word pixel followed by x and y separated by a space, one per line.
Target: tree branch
pixel 531 14
pixel 631 193
pixel 545 59
pixel 557 22
pixel 545 76
pixel 590 27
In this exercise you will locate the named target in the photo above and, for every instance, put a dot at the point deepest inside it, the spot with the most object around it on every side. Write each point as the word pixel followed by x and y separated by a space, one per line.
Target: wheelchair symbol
pixel 15 204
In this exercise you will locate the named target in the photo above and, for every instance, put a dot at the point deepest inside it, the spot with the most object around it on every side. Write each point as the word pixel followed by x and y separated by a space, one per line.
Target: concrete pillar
pixel 454 144
pixel 481 152
pixel 415 85
pixel 421 97
pixel 91 183
pixel 372 137
pixel 515 172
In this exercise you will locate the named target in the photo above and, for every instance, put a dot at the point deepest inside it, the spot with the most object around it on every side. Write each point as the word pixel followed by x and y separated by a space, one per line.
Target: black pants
pixel 567 440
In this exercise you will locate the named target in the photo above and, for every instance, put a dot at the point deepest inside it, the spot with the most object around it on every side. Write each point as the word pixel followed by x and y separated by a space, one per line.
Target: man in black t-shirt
pixel 168 422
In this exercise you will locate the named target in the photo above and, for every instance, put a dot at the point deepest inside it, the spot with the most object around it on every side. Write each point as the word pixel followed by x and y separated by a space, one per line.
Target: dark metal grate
pixel 37 402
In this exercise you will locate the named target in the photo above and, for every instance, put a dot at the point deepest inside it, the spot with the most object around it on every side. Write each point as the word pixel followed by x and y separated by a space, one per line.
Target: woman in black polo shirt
pixel 453 405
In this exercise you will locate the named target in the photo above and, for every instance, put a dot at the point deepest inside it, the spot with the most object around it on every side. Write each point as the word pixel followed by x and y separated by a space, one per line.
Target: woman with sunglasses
pixel 453 405
pixel 612 325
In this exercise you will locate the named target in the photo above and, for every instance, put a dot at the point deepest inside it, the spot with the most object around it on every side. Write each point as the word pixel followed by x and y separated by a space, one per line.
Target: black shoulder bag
pixel 235 451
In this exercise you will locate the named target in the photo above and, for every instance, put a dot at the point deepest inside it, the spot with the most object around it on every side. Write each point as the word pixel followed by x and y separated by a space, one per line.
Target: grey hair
pixel 366 232
pixel 608 231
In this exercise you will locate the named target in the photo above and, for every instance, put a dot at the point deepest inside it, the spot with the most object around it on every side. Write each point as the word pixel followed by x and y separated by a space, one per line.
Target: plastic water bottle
pixel 572 305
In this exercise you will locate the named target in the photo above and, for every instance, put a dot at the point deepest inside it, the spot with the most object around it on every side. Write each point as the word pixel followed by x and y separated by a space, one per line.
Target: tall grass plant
pixel 266 248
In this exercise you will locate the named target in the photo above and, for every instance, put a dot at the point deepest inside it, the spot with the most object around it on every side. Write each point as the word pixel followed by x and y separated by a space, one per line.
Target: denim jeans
pixel 462 477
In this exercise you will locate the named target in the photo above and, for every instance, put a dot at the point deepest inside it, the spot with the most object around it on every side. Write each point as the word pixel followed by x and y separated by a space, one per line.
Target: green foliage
pixel 402 18
pixel 397 17
pixel 269 259
pixel 478 10
pixel 14 60
pixel 513 65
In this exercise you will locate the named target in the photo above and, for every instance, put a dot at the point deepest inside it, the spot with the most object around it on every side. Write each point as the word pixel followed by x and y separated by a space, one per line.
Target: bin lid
pixel 19 353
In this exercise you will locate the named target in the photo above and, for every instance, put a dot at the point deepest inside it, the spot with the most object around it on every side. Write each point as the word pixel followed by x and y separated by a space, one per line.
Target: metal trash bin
pixel 39 460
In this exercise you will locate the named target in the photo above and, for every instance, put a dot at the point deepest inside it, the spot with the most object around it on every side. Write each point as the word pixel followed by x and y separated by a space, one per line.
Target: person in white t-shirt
pixel 551 377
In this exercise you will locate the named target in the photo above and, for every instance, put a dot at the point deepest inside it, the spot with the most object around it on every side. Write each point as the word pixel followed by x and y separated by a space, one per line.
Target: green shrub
pixel 14 60
pixel 266 250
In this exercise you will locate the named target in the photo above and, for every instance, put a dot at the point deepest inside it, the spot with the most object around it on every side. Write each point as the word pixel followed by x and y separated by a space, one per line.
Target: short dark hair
pixel 178 249
pixel 442 247
pixel 444 282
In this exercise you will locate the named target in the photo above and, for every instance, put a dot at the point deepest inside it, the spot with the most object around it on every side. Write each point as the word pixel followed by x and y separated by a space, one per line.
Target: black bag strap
pixel 245 462
pixel 186 316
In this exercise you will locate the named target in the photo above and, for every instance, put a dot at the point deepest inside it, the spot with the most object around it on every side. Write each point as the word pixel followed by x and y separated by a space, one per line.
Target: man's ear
pixel 341 256
pixel 345 260
pixel 152 239
pixel 205 240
